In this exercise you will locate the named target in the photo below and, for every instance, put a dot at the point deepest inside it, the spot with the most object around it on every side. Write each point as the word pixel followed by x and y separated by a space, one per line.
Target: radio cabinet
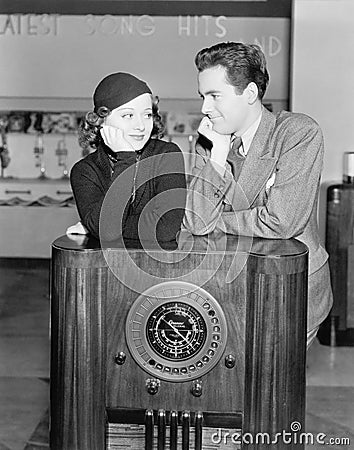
pixel 176 340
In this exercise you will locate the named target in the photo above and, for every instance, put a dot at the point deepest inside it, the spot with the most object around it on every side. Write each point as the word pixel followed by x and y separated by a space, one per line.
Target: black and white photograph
pixel 176 225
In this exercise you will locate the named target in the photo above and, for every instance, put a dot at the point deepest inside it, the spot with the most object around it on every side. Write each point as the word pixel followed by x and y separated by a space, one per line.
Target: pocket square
pixel 270 182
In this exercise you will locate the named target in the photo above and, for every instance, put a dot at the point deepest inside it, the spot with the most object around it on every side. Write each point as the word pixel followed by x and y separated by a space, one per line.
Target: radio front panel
pixel 163 348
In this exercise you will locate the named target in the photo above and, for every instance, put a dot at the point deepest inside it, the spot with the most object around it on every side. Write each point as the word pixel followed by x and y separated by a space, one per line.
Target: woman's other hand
pixel 78 228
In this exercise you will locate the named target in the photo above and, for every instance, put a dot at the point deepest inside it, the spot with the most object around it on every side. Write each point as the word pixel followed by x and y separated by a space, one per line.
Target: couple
pixel 254 173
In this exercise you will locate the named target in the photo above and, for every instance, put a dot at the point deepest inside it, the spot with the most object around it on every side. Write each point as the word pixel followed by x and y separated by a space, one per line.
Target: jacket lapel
pixel 259 164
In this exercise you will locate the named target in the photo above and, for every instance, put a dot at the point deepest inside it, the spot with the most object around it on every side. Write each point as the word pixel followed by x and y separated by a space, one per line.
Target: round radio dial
pixel 176 331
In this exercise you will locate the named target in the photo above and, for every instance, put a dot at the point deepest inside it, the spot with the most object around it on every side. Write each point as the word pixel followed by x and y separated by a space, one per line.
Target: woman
pixel 133 184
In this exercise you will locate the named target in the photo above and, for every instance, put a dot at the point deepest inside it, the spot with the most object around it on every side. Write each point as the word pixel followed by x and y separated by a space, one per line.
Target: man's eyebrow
pixel 211 91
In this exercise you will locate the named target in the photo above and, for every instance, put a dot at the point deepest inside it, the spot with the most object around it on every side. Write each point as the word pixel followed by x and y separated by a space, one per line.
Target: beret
pixel 117 89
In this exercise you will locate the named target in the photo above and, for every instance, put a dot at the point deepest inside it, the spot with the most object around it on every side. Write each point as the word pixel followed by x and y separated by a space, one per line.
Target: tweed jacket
pixel 160 181
pixel 274 195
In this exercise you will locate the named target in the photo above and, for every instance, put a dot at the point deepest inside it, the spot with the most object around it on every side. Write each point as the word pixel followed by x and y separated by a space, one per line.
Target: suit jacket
pixel 274 195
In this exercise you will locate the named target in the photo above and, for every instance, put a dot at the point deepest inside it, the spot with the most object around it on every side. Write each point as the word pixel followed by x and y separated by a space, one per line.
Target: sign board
pixel 52 55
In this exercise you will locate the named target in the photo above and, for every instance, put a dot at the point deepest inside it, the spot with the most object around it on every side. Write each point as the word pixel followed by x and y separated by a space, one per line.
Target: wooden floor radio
pixel 173 346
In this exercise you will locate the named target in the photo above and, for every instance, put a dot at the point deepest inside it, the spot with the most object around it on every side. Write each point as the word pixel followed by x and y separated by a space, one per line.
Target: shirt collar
pixel 248 135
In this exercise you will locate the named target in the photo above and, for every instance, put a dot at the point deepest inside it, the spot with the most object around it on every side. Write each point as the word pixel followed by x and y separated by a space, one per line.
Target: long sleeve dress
pixel 138 195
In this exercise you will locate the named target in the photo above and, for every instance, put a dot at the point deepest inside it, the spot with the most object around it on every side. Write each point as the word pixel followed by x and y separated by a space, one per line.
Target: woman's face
pixel 134 119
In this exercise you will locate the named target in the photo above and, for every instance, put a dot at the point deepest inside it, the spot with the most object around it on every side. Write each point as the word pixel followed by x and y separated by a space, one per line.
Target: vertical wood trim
pixel 350 288
pixel 78 359
pixel 276 342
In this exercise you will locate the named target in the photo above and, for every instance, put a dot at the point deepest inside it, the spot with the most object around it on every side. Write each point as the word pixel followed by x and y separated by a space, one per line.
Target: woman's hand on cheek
pixel 113 137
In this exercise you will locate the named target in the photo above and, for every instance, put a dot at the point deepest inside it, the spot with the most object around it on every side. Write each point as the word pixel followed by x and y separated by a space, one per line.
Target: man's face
pixel 227 110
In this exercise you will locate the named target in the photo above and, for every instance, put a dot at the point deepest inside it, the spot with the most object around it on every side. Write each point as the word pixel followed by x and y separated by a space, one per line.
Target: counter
pixel 32 213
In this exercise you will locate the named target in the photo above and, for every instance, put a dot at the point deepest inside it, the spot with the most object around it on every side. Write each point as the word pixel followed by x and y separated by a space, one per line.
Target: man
pixel 256 173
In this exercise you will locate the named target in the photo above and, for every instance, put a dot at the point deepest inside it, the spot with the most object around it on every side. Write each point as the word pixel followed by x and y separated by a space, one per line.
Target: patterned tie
pixel 235 143
pixel 234 158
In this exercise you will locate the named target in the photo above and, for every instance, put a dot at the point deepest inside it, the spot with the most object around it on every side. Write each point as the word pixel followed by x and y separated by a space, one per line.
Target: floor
pixel 24 369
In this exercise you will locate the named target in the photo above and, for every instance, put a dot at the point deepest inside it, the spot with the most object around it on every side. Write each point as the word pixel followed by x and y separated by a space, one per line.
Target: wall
pixel 323 74
pixel 52 62
pixel 322 80
pixel 64 56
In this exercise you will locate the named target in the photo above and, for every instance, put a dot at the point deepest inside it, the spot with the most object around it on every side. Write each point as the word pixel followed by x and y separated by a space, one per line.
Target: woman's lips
pixel 137 137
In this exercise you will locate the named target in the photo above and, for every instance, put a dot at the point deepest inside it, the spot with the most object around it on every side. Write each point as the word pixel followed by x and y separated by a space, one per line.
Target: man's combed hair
pixel 89 135
pixel 244 63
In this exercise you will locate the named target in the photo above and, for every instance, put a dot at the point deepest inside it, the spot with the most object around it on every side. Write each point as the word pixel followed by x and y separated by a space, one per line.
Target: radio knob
pixel 152 386
pixel 120 358
pixel 197 388
pixel 230 361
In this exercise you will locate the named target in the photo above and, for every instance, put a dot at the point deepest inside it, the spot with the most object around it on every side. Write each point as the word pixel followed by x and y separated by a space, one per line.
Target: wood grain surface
pixel 263 293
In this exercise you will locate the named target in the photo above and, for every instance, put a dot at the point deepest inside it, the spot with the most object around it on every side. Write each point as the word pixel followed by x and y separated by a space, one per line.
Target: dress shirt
pixel 248 136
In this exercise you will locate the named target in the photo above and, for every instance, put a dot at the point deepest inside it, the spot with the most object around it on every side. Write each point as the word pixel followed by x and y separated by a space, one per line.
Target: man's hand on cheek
pixel 221 142
pixel 114 138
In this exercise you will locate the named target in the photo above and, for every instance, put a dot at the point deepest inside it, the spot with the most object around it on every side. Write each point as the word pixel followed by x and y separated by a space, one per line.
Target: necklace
pixel 137 159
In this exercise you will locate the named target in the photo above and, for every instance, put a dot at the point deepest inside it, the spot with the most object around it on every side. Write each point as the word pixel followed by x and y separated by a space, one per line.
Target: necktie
pixel 235 143
pixel 234 158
